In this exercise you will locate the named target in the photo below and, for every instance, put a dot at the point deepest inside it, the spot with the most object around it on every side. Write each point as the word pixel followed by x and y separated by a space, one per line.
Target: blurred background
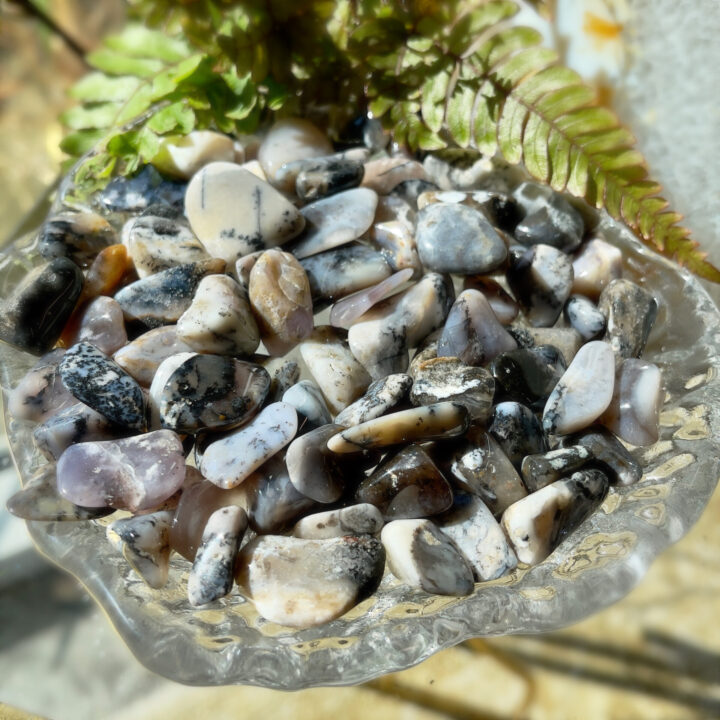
pixel 655 655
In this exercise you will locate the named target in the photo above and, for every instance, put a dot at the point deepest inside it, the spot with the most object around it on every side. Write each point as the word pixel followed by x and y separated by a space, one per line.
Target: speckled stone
pixel 301 583
pixel 408 484
pixel 608 453
pixel 243 268
pixel 208 392
pixel 335 220
pixel 102 324
pixel 360 519
pixel 540 470
pixel 137 473
pixel 422 556
pixel 160 239
pixel 384 174
pixel 444 419
pixel 285 374
pixel 94 379
pixel 499 208
pixel 517 430
pixel 584 316
pixel 339 375
pixel 233 213
pixel 541 279
pixel 382 395
pixel 161 299
pixel 478 465
pixel 142 357
pixel 472 332
pixel 411 190
pixel 584 391
pixel 212 573
pixel 479 537
pixel 40 393
pixel 397 244
pixel 24 318
pixel 448 378
pixel 307 398
pixel 634 411
pixel 458 239
pixel 631 311
pixel 280 297
pixel 501 302
pixel 595 266
pixel 39 500
pixel 139 192
pixel 537 524
pixel 145 545
pixel 219 319
pixel 393 209
pixel 76 236
pixel 344 270
pixel 313 469
pixel 228 461
pixel 381 338
pixel 184 155
pixel 327 176
pixel 566 340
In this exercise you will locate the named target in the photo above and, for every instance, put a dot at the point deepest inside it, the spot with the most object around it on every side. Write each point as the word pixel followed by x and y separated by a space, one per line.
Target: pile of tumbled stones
pixel 289 362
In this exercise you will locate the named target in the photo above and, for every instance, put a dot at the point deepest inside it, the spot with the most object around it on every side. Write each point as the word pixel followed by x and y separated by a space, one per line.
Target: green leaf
pixel 98 87
pixel 141 42
pixel 116 63
pixel 433 100
pixel 459 114
pixel 81 142
pixel 177 117
pixel 89 117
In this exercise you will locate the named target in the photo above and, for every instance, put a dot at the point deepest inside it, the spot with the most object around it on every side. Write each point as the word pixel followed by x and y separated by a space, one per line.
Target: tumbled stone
pixel 335 220
pixel 39 500
pixel 477 534
pixel 184 155
pixel 145 545
pixel 411 190
pixel 584 391
pixel 24 318
pixel 631 311
pixel 609 453
pixel 422 556
pixel 208 392
pixel 390 210
pixel 76 236
pixel 566 340
pixel 339 375
pixel 327 176
pixel 279 293
pixel 271 500
pixel 382 395
pixel 160 239
pixel 142 357
pixel 301 583
pixel 233 213
pixel 336 273
pixel 464 169
pixel 313 469
pixel 443 419
pixel 595 266
pixel 634 411
pixel 76 423
pixel 448 378
pixel 228 461
pixel 427 350
pixel 243 268
pixel 540 470
pixel 501 302
pixel 212 573
pixel 529 374
pixel 307 398
pixel 479 466
pixel 102 324
pixel 161 299
pixel 517 430
pixel 93 378
pixel 537 524
pixel 346 311
pixel 500 209
pixel 107 272
pixel 458 239
pixel 137 193
pixel 406 485
pixel 541 279
pixel 584 316
pixel 397 244
pixel 360 519
pixel 132 474
pixel 287 141
pixel 384 174
pixel 219 319
pixel 472 332
pixel 198 502
pixel 40 393
pixel 284 376
pixel 381 338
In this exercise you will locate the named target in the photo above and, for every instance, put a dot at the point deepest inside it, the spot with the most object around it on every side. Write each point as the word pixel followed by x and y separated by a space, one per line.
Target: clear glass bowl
pixel 398 627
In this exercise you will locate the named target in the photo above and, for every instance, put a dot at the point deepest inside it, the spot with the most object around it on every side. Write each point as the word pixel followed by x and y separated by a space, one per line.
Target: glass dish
pixel 398 627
